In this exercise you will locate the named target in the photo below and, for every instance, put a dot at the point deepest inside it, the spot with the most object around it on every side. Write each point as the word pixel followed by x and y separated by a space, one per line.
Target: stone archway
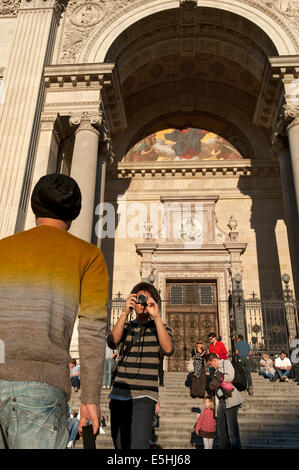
pixel 276 20
pixel 211 61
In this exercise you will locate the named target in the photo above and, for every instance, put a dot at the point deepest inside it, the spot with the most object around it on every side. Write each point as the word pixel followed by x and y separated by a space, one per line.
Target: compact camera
pixel 142 299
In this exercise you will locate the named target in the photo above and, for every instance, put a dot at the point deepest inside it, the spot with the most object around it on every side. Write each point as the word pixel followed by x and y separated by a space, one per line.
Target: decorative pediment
pixel 190 235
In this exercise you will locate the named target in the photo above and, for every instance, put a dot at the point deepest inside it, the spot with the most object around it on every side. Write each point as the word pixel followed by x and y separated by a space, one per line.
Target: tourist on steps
pixel 226 409
pixel 243 352
pixel 198 384
pixel 283 367
pixel 267 368
pixel 75 374
pixel 206 423
pixel 135 389
pixel 46 274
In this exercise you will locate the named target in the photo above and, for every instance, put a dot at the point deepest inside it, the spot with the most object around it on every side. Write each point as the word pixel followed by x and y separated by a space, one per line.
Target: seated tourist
pixel 283 367
pixel 266 368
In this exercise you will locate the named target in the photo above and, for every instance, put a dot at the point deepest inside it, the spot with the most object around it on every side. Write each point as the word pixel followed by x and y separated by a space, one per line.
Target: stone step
pixel 267 419
pixel 258 386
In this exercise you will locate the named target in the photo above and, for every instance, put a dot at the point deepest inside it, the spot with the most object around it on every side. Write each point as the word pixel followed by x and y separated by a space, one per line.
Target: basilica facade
pixel 179 119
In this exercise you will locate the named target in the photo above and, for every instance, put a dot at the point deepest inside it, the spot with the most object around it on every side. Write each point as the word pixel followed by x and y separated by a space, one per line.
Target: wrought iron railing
pixel 269 325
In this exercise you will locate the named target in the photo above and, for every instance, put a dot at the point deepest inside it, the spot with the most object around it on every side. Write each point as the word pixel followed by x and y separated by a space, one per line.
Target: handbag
pixel 190 366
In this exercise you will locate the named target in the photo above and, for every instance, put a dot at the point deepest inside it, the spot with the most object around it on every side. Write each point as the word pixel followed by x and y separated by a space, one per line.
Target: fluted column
pixel 46 156
pixel 84 169
pixel 105 155
pixel 288 187
pixel 293 134
pixel 32 47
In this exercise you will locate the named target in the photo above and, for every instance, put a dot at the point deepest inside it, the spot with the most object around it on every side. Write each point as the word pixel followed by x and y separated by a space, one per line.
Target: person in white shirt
pixel 283 367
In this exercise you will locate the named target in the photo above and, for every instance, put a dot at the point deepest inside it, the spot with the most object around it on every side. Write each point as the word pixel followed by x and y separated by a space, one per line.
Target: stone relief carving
pixel 87 15
pixel 9 7
pixel 286 7
pixel 289 9
pixel 42 3
pixel 84 17
pixel 188 3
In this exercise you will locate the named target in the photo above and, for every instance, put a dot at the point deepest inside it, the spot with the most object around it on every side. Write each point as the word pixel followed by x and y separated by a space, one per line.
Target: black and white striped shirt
pixel 138 367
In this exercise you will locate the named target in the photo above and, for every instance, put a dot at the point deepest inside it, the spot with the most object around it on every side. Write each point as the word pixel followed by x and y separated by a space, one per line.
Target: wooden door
pixel 191 314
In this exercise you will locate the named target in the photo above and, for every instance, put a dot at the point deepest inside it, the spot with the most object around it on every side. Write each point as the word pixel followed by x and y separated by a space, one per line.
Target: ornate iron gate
pixel 269 325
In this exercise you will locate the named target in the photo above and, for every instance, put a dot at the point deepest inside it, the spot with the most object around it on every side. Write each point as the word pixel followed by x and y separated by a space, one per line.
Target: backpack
pixel 240 379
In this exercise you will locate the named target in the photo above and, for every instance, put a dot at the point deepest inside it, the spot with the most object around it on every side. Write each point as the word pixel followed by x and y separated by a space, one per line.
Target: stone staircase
pixel 269 419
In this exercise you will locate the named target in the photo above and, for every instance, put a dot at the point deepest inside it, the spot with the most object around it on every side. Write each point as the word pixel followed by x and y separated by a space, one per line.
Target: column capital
pixel 86 121
pixel 57 5
pixel 288 117
pixel 291 115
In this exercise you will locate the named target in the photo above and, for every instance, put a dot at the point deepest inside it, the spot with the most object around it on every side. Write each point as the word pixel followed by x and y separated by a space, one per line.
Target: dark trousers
pixel 75 381
pixel 227 426
pixel 132 423
pixel 246 364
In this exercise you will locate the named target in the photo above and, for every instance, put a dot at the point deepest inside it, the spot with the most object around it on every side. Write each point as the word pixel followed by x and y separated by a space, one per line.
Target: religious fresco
pixel 179 145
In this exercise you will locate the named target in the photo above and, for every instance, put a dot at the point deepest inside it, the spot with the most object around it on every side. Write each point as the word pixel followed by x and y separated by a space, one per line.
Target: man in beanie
pixel 47 277
pixel 135 390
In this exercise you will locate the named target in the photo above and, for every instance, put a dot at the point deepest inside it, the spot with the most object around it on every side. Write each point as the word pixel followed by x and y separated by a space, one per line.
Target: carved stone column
pixel 50 136
pixel 105 155
pixel 281 146
pixel 84 169
pixel 34 37
pixel 292 114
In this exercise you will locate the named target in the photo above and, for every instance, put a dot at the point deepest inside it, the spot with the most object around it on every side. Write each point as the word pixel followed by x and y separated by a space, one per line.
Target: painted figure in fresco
pixel 215 147
pixel 145 151
pixel 187 142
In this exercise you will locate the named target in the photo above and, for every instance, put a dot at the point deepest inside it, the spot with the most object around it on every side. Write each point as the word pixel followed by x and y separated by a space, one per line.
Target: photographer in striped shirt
pixel 135 389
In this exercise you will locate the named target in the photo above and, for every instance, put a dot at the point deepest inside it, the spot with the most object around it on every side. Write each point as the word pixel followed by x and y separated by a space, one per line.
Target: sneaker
pixel 286 379
pixel 70 445
pixel 250 391
pixel 283 378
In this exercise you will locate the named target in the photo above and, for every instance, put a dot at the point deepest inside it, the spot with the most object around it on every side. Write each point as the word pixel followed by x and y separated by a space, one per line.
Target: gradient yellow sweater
pixel 46 274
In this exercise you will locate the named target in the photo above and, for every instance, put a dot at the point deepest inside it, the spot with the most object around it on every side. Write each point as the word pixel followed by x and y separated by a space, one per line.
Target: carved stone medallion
pixel 85 15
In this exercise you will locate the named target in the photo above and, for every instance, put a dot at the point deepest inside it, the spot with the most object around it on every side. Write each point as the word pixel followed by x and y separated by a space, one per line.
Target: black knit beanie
pixel 56 196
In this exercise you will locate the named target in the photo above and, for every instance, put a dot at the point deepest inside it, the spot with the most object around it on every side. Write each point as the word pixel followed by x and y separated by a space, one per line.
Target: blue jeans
pixel 107 372
pixel 267 375
pixel 281 373
pixel 33 415
pixel 73 429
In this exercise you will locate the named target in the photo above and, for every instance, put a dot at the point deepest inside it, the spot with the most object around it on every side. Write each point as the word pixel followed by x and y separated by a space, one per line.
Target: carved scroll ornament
pixel 9 7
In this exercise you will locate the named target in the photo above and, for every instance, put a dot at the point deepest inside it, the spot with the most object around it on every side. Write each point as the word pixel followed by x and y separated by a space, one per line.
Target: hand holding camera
pixel 130 304
pixel 148 305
